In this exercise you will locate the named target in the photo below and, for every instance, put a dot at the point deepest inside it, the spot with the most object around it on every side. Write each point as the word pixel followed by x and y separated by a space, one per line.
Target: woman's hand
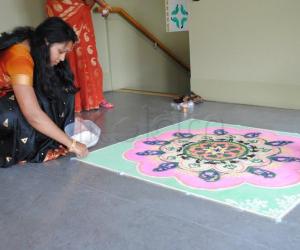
pixel 106 11
pixel 79 149
pixel 106 8
pixel 40 121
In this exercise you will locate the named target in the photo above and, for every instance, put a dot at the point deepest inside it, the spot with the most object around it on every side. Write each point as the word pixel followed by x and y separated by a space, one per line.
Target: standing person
pixel 36 93
pixel 84 59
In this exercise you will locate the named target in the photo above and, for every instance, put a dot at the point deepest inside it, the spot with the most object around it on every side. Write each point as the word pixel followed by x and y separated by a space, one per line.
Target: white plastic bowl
pixel 84 131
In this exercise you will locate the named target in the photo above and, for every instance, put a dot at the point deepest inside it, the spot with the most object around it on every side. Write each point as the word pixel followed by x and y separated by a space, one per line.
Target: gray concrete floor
pixel 65 204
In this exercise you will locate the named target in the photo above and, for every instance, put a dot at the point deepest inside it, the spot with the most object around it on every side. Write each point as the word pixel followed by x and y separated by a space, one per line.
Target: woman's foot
pixel 106 104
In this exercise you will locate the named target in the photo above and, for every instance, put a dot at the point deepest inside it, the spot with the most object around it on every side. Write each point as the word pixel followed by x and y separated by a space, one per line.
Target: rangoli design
pixel 216 158
pixel 252 169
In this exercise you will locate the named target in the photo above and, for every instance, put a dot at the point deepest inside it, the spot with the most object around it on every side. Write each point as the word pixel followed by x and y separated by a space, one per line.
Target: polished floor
pixel 65 204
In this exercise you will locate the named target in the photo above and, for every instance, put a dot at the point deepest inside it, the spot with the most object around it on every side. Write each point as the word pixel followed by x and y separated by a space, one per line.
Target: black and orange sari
pixel 19 141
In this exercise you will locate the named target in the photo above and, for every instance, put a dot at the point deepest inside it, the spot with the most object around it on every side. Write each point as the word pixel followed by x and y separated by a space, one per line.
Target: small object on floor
pixel 181 99
pixel 196 99
pixel 84 131
pixel 106 104
pixel 185 107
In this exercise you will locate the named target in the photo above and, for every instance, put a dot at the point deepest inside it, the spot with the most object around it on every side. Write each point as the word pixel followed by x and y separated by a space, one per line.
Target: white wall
pixel 130 60
pixel 15 13
pixel 246 51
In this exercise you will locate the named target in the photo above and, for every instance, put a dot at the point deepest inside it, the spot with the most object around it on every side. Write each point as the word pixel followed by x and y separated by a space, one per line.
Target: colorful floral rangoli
pixel 251 169
pixel 218 158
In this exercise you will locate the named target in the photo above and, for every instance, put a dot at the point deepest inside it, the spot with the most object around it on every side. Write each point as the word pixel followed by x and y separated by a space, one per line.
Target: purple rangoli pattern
pixel 217 158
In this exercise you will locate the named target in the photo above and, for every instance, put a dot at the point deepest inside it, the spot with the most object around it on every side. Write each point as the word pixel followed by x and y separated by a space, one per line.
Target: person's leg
pixel 94 66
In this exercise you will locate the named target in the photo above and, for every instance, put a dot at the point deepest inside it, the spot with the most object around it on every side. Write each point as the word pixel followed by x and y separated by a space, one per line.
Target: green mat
pixel 254 170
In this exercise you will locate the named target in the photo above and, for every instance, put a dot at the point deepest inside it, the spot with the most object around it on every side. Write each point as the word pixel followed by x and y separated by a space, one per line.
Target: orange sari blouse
pixel 16 67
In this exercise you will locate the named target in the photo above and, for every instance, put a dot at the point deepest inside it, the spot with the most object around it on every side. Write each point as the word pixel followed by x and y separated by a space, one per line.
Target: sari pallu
pixel 83 59
pixel 19 141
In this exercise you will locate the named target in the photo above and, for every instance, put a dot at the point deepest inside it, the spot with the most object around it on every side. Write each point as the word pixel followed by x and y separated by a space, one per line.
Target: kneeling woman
pixel 36 93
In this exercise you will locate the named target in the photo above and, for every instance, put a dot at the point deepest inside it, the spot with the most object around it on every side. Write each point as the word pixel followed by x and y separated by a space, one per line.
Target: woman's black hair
pixel 51 81
pixel 7 39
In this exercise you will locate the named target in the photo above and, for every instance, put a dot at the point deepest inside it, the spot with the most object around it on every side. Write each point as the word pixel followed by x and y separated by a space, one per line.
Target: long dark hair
pixel 51 81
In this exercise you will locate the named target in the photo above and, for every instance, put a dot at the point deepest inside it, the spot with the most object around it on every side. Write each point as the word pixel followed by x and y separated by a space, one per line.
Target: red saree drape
pixel 84 58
